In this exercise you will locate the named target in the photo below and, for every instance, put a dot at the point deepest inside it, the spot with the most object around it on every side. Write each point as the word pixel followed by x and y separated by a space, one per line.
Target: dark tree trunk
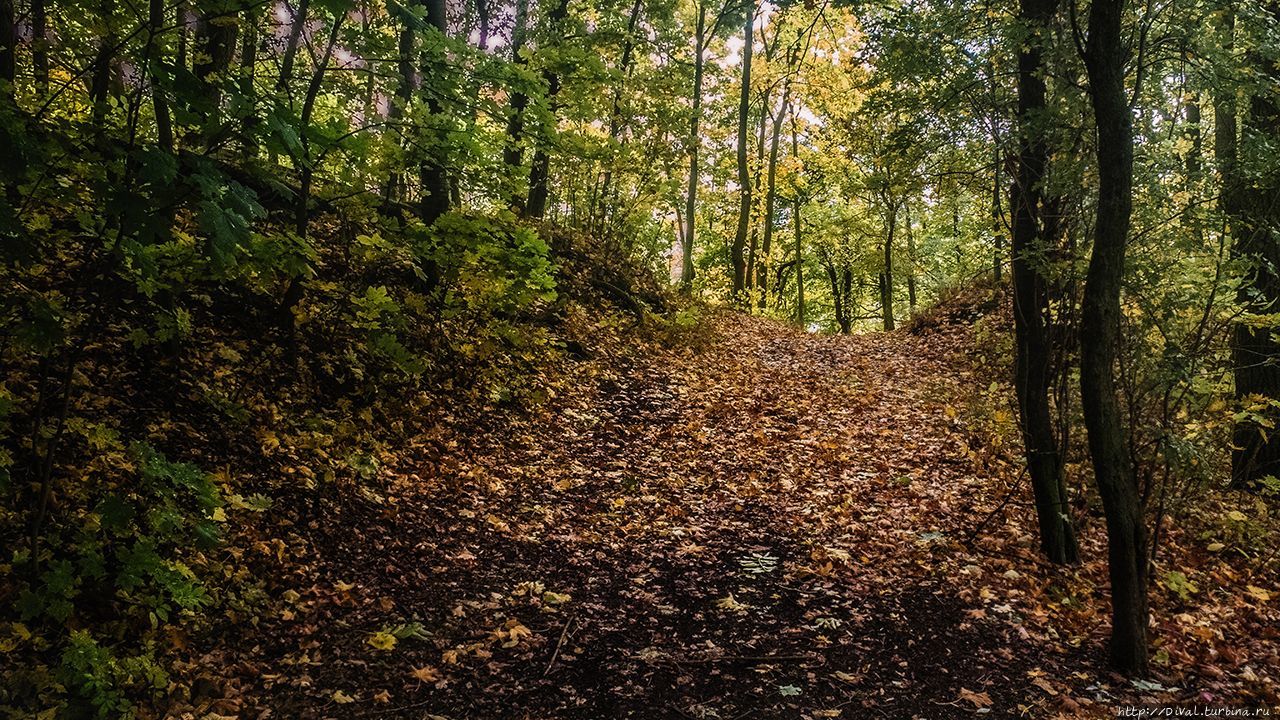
pixel 216 31
pixel 911 257
pixel 1033 378
pixel 8 45
pixel 513 150
pixel 886 274
pixel 160 103
pixel 691 198
pixel 1255 213
pixel 1106 59
pixel 432 171
pixel 539 167
pixel 770 196
pixel 737 250
pixel 40 43
pixel 291 47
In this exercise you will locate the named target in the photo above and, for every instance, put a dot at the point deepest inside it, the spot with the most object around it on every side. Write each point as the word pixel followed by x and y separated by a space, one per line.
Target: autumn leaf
pixel 426 674
pixel 382 640
pixel 979 699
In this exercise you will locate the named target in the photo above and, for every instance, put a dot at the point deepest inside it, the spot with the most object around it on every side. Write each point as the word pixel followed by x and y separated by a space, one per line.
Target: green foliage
pixel 134 564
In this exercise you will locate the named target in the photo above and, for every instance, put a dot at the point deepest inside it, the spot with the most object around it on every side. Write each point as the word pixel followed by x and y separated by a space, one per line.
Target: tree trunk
pixel 1033 378
pixel 513 150
pixel 738 249
pixel 886 274
pixel 770 195
pixel 540 166
pixel 216 31
pixel 432 172
pixel 1255 213
pixel 1105 60
pixel 911 257
pixel 691 201
pixel 291 47
pixel 40 43
pixel 8 46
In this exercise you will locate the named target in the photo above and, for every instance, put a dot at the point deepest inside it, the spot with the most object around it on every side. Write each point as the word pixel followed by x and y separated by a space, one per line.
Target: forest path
pixel 767 527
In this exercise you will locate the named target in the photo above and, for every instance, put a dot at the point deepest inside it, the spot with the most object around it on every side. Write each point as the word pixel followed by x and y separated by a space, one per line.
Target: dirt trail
pixel 769 527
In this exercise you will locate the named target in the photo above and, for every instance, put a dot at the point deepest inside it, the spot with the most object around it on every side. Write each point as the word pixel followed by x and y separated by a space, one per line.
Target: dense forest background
pixel 252 248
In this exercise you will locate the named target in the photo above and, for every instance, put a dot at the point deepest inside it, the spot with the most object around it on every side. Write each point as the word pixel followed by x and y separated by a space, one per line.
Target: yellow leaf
pixel 382 640
pixel 1258 593
pixel 342 698
pixel 555 598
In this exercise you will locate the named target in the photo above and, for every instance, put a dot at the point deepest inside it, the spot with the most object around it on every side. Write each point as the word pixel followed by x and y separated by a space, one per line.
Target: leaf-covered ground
pixel 770 525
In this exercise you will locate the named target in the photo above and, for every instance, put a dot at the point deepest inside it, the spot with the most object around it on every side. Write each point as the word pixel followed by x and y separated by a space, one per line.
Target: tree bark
pixel 770 196
pixel 691 198
pixel 540 166
pixel 737 250
pixel 1033 378
pixel 1105 61
pixel 432 171
pixel 886 274
pixel 1254 208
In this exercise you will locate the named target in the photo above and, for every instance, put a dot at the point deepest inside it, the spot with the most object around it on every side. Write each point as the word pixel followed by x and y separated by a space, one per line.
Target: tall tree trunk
pixel 737 250
pixel 691 198
pixel 753 247
pixel 911 257
pixel 615 109
pixel 770 195
pixel 100 85
pixel 291 46
pixel 1255 211
pixel 159 102
pixel 40 43
pixel 513 149
pixel 797 205
pixel 540 166
pixel 216 30
pixel 1033 378
pixel 432 171
pixel 886 274
pixel 1105 60
pixel 8 45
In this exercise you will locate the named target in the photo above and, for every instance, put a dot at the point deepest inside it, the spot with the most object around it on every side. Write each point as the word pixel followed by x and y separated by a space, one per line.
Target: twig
pixel 559 644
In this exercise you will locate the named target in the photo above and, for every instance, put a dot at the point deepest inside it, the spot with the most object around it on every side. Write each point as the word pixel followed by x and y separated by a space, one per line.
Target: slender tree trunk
pixel 291 47
pixel 1255 211
pixel 753 255
pixel 886 274
pixel 771 194
pixel 691 198
pixel 1033 378
pixel 615 109
pixel 911 257
pixel 737 250
pixel 216 31
pixel 40 43
pixel 797 206
pixel 540 166
pixel 160 103
pixel 1105 60
pixel 513 150
pixel 432 171
pixel 8 45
